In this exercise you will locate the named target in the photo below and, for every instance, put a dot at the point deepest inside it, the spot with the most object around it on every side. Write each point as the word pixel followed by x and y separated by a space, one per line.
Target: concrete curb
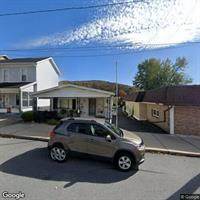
pixel 147 149
pixel 36 138
pixel 172 152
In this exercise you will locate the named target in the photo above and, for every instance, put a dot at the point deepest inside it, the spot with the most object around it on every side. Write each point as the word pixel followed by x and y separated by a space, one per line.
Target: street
pixel 25 167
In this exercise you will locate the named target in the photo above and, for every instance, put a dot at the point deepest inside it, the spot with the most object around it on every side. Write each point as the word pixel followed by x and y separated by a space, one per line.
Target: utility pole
pixel 117 93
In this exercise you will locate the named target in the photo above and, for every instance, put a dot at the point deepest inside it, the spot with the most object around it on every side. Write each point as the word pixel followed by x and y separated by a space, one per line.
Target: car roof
pixel 70 120
pixel 83 120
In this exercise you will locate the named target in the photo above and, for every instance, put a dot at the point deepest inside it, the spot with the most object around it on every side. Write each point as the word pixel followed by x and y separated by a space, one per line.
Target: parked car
pixel 96 139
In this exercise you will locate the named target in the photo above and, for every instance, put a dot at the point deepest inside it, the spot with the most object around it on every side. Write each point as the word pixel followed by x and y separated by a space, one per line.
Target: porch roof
pixel 13 84
pixel 72 91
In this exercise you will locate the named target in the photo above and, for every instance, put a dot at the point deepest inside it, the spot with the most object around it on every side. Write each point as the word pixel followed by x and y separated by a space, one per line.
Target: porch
pixel 82 106
pixel 15 97
pixel 9 100
pixel 79 101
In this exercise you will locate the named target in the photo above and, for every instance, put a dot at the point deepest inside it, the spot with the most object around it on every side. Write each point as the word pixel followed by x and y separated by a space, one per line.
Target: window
pixel 26 99
pixel 155 113
pixel 99 131
pixel 17 99
pixel 5 75
pixel 79 128
pixel 73 128
pixel 24 75
pixel 30 101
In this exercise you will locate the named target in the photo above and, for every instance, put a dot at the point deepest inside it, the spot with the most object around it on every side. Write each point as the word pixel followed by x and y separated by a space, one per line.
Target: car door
pixel 98 145
pixel 78 134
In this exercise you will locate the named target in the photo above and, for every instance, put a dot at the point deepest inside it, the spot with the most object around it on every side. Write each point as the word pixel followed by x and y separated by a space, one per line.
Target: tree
pixel 154 73
pixel 122 93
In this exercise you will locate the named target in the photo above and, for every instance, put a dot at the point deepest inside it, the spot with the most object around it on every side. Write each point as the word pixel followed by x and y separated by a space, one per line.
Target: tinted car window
pixel 79 128
pixel 73 128
pixel 99 131
pixel 58 125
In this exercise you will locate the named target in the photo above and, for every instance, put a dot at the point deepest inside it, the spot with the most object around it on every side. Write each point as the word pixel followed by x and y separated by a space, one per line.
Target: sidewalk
pixel 8 119
pixel 170 143
pixel 155 142
pixel 155 138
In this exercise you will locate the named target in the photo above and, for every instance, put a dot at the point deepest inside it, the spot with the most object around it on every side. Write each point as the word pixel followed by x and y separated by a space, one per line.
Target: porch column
pixel 20 101
pixel 51 104
pixel 35 100
pixel 171 120
pixel 109 109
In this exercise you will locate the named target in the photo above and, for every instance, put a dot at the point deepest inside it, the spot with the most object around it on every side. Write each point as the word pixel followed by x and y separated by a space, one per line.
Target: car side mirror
pixel 108 138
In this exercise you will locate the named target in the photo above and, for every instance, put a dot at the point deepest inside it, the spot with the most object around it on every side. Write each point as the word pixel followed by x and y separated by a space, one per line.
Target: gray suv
pixel 89 137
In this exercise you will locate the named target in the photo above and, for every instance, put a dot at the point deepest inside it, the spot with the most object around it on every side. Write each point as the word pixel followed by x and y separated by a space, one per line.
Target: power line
pixel 108 54
pixel 99 47
pixel 67 48
pixel 68 8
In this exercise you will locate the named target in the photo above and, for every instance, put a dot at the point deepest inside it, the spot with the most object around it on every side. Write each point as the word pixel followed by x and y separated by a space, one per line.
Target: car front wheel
pixel 124 162
pixel 58 153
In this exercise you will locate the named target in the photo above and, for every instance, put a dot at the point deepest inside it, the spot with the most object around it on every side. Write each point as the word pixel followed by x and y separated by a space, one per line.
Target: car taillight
pixel 51 134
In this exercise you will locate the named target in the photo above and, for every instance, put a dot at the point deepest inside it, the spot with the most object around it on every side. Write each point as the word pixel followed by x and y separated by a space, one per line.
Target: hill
pixel 104 85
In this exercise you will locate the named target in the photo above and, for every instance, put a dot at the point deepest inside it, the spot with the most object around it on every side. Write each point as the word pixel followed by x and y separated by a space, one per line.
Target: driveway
pixel 133 125
pixel 155 137
pixel 25 167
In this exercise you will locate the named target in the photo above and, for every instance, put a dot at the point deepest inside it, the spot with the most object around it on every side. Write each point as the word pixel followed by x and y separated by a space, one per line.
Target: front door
pixel 92 107
pixel 73 104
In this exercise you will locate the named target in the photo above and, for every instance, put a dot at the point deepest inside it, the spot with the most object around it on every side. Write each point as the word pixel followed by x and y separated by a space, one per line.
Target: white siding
pixel 29 89
pixel 42 72
pixel 46 78
pixel 46 75
pixel 15 72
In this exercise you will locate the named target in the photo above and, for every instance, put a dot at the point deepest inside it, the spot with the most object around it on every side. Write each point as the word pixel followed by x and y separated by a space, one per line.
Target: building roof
pixel 173 95
pixel 13 84
pixel 5 59
pixel 19 60
pixel 136 96
pixel 70 90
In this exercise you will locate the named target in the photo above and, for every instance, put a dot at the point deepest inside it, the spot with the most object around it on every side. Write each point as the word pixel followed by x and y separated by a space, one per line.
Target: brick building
pixel 175 109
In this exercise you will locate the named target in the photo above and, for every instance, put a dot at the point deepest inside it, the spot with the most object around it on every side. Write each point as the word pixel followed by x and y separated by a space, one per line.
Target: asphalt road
pixel 25 167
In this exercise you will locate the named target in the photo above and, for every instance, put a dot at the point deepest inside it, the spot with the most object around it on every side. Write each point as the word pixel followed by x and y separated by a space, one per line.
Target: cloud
pixel 142 25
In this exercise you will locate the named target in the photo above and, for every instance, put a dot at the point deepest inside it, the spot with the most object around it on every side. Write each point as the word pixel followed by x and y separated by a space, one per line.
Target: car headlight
pixel 141 145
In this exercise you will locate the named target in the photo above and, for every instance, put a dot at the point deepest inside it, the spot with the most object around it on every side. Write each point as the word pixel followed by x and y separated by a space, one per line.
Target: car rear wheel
pixel 124 162
pixel 58 153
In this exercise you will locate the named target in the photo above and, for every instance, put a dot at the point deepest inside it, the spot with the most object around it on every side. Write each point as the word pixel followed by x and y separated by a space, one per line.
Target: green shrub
pixel 63 111
pixel 53 122
pixel 28 116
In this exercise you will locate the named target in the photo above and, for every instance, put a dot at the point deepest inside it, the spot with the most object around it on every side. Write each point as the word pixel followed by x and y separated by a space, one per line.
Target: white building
pixel 21 76
pixel 89 101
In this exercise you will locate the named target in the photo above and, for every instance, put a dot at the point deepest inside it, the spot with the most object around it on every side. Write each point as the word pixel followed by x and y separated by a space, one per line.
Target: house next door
pixel 92 107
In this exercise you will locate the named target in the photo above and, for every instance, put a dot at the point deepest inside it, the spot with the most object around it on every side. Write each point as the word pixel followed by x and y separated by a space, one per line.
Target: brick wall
pixel 187 120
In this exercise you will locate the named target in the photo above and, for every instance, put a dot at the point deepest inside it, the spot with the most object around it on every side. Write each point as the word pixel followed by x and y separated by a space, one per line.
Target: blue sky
pixel 135 27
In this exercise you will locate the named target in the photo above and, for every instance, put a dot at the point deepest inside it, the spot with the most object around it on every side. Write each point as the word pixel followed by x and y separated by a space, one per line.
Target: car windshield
pixel 118 131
